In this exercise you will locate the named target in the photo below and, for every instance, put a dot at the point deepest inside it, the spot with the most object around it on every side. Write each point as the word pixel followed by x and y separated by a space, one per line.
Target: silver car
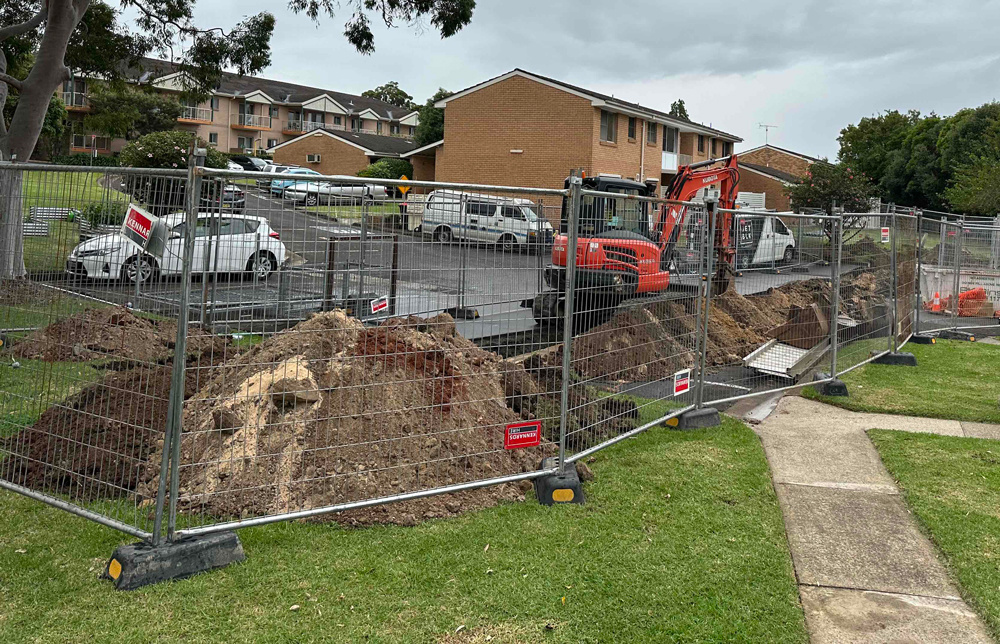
pixel 312 193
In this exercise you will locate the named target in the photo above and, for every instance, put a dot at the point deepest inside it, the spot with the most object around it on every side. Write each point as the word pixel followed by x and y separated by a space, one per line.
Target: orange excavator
pixel 622 251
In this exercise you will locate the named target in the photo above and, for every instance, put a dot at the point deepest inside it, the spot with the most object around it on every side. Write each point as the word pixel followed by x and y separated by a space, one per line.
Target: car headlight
pixel 98 252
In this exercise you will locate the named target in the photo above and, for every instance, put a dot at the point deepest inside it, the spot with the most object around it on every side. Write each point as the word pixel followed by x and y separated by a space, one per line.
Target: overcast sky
pixel 807 67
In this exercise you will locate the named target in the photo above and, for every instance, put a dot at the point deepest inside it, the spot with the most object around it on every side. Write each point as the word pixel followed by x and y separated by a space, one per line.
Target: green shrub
pixel 388 169
pixel 103 214
pixel 167 150
pixel 82 158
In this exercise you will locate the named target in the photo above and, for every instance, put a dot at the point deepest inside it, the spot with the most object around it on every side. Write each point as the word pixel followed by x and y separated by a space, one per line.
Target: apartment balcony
pixel 250 122
pixel 75 101
pixel 301 127
pixel 89 143
pixel 195 115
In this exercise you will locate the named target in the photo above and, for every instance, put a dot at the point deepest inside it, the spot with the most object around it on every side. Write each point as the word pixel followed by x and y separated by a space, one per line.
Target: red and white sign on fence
pixel 526 434
pixel 380 304
pixel 138 226
pixel 885 234
pixel 682 382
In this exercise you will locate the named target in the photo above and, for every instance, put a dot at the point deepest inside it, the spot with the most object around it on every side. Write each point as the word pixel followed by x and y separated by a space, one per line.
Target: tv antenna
pixel 767 130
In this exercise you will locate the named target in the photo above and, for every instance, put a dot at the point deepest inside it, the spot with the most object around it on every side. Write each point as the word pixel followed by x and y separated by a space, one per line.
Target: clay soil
pixel 112 332
pixel 331 412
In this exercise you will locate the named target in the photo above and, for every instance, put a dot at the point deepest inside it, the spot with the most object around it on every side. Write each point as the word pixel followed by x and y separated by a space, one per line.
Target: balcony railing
pixel 251 121
pixel 75 100
pixel 309 126
pixel 196 114
pixel 90 142
pixel 304 126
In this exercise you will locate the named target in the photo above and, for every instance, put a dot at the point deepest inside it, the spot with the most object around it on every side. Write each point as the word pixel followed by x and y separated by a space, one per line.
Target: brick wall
pixel 778 160
pixel 553 129
pixel 423 167
pixel 775 190
pixel 337 157
pixel 624 157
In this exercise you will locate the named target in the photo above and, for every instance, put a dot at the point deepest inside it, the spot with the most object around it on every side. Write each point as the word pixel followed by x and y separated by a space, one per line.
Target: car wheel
pixel 443 235
pixel 508 244
pixel 139 269
pixel 312 200
pixel 789 256
pixel 261 265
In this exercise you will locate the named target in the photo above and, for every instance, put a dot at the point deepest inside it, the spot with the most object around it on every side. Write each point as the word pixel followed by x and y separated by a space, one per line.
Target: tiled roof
pixel 373 144
pixel 280 91
pixel 787 177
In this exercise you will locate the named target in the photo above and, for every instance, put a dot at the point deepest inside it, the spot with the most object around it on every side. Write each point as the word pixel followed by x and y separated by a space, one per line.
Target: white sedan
pixel 312 193
pixel 241 243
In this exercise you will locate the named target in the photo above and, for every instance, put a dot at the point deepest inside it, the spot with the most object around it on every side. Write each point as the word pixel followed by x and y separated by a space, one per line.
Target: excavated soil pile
pixel 112 332
pixel 21 292
pixel 330 412
pixel 96 443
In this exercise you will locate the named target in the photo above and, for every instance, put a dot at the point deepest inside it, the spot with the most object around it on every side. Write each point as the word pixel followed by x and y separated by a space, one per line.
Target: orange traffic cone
pixel 936 302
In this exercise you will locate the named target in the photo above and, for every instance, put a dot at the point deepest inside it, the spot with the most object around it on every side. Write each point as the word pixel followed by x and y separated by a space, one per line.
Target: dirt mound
pixel 19 292
pixel 96 443
pixel 330 412
pixel 111 332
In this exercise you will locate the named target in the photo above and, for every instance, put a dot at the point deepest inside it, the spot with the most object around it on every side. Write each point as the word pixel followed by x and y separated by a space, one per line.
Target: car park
pixel 232 197
pixel 227 243
pixel 510 223
pixel 312 193
pixel 251 164
pixel 269 171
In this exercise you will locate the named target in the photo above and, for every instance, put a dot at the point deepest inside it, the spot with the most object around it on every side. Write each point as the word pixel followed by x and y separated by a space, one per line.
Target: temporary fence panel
pixel 979 274
pixel 401 354
pixel 903 238
pixel 87 336
pixel 941 273
pixel 771 327
pixel 866 279
pixel 633 341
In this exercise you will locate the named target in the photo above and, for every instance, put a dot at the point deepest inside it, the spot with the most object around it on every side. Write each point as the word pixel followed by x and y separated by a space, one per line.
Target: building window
pixel 244 142
pixel 215 103
pixel 378 127
pixel 213 138
pixel 715 150
pixel 355 125
pixel 727 149
pixel 701 142
pixel 651 134
pixel 272 142
pixel 274 111
pixel 411 130
pixel 609 127
pixel 394 129
pixel 670 139
pixel 631 128
pixel 337 121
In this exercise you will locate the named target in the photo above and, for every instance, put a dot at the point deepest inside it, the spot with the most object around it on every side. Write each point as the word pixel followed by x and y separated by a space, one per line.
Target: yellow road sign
pixel 404 189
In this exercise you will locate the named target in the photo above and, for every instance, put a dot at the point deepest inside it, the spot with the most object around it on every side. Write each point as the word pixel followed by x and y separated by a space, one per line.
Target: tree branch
pixel 10 80
pixel 16 30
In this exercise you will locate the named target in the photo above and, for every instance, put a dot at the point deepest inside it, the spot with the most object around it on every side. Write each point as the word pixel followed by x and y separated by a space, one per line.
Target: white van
pixel 762 239
pixel 512 224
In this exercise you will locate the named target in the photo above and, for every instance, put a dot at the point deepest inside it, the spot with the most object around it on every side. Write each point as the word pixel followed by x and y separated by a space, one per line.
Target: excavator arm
pixel 685 185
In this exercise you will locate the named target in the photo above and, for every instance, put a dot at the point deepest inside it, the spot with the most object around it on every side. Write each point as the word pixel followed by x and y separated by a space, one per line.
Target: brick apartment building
pixel 528 130
pixel 772 170
pixel 337 152
pixel 245 113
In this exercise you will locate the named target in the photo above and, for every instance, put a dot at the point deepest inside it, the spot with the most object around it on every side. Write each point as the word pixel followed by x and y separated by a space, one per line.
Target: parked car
pixel 240 242
pixel 269 171
pixel 232 165
pixel 510 223
pixel 278 185
pixel 762 239
pixel 252 164
pixel 312 193
pixel 233 198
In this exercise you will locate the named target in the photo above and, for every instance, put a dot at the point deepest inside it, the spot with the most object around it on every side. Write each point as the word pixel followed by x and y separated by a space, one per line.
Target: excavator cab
pixel 611 217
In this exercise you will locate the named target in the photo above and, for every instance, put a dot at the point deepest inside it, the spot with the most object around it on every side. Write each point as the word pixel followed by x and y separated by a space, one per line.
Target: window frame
pixel 214 135
pixel 652 132
pixel 609 127
pixel 631 128
pixel 701 143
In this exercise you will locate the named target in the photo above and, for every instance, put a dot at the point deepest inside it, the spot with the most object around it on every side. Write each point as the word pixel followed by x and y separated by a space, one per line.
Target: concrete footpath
pixel 865 572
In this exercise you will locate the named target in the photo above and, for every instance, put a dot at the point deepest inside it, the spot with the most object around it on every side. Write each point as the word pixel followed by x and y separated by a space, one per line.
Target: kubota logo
pixel 710 179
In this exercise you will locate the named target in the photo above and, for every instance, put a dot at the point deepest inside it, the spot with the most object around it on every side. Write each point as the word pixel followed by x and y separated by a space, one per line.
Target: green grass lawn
pixel 353 211
pixel 65 190
pixel 953 486
pixel 955 380
pixel 681 539
pixel 42 254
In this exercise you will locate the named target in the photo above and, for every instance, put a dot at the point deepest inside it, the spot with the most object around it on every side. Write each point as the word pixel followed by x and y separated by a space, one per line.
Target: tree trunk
pixel 11 224
pixel 47 72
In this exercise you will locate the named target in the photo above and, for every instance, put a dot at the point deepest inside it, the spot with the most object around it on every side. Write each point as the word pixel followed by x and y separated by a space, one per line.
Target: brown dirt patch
pixel 330 412
pixel 111 332
pixel 18 292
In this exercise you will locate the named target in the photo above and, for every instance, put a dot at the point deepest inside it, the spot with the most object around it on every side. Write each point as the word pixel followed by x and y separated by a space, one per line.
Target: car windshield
pixel 529 213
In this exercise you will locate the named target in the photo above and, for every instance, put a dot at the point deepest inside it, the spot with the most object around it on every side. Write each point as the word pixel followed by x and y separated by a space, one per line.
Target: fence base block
pixel 950 334
pixel 835 387
pixel 923 339
pixel 696 419
pixel 558 488
pixel 897 359
pixel 140 564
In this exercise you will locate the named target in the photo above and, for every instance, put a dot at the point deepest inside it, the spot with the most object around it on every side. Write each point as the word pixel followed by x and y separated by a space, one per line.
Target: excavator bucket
pixel 723 280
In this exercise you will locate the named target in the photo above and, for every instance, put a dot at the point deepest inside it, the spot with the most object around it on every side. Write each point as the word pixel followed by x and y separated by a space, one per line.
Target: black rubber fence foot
pixel 949 334
pixel 835 387
pixel 923 339
pixel 556 488
pixel 140 564
pixel 695 419
pixel 897 359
